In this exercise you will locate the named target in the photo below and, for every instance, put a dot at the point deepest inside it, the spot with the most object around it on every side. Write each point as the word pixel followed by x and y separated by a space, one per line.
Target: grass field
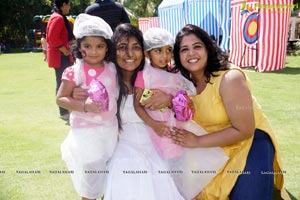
pixel 31 131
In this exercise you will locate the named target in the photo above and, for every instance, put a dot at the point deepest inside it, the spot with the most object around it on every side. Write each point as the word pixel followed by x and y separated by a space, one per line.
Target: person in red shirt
pixel 59 34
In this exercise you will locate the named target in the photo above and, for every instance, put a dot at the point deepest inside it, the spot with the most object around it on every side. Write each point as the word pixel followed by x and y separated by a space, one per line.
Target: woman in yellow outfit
pixel 225 107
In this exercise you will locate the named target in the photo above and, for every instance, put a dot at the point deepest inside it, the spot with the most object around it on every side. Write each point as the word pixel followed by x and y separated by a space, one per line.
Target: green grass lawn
pixel 31 131
pixel 279 95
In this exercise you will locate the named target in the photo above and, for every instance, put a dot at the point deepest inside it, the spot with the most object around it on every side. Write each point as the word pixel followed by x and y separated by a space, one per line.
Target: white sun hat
pixel 156 38
pixel 88 25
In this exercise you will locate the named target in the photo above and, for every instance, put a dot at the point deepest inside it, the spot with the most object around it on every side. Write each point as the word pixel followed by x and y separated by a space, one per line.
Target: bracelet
pixel 83 106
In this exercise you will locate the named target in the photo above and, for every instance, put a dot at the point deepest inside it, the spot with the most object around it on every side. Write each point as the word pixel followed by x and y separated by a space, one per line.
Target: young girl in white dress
pixel 191 169
pixel 136 171
pixel 94 125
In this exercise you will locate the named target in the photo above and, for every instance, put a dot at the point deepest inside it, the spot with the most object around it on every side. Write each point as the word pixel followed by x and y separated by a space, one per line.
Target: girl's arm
pixel 80 93
pixel 159 127
pixel 64 99
pixel 237 101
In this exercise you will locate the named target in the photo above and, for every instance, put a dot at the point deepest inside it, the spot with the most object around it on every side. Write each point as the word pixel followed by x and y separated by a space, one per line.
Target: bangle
pixel 83 107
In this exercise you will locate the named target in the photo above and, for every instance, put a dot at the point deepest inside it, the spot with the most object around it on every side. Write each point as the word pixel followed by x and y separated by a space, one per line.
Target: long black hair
pixel 56 8
pixel 125 31
pixel 217 59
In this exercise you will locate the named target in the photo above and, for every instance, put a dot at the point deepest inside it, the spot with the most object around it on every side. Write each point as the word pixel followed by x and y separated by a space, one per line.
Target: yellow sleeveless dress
pixel 211 115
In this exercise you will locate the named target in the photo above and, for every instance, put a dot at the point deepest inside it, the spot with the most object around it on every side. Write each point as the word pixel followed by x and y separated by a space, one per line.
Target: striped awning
pixel 171 15
pixel 148 22
pixel 211 15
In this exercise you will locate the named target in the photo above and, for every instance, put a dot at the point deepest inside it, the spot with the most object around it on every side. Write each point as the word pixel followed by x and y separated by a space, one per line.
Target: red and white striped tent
pixel 259 33
pixel 148 22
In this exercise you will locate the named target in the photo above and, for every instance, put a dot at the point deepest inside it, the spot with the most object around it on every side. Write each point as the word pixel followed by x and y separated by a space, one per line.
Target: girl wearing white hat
pixel 197 166
pixel 94 125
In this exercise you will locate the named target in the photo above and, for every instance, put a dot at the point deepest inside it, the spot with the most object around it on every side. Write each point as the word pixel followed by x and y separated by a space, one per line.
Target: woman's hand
pixel 64 50
pixel 158 100
pixel 79 93
pixel 185 138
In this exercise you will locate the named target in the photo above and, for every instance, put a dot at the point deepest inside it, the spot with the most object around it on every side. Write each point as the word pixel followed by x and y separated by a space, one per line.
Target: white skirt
pixel 197 166
pixel 86 152
pixel 136 171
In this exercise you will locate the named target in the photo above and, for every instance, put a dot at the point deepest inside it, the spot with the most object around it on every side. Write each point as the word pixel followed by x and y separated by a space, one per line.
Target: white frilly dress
pixel 136 171
pixel 196 166
pixel 92 138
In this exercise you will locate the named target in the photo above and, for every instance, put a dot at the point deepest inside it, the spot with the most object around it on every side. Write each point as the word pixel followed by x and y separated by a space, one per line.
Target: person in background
pixel 112 12
pixel 225 107
pixel 2 48
pixel 94 125
pixel 59 34
pixel 44 45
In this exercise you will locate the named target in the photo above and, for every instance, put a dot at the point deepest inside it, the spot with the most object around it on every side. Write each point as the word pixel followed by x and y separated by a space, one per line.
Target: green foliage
pixel 16 17
pixel 296 49
pixel 297 46
pixel 139 8
pixel 78 6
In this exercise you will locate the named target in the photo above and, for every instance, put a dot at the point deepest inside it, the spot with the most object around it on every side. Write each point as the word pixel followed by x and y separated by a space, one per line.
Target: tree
pixel 141 8
pixel 79 6
pixel 16 17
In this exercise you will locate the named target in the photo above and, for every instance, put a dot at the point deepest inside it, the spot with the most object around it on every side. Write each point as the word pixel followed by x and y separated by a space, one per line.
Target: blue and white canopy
pixel 211 15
